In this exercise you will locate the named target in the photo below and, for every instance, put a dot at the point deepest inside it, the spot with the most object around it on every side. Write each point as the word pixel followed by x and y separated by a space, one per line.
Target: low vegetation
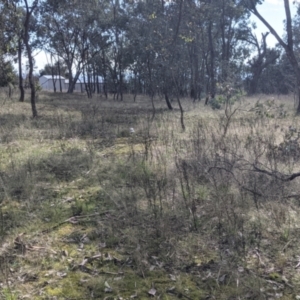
pixel 99 200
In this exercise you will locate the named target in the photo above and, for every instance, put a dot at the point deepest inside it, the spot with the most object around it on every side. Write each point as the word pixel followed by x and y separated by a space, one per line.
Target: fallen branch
pixel 75 220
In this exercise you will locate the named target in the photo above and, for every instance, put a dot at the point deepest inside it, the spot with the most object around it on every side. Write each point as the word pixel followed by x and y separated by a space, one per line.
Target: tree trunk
pixel 72 81
pixel 287 46
pixel 29 54
pixel 104 86
pixel 104 74
pixel 70 90
pixel 121 85
pixel 212 62
pixel 179 102
pixel 87 84
pixel 58 66
pixel 254 82
pixel 53 79
pixel 98 85
pixel 298 92
pixel 134 86
pixel 21 87
pixel 31 81
pixel 168 101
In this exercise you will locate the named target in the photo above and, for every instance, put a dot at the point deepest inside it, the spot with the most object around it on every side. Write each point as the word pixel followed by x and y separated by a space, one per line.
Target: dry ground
pixel 90 210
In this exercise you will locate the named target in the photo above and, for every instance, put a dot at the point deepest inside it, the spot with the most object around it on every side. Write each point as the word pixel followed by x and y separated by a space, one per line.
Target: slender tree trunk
pixel 104 74
pixel 86 84
pixel 21 87
pixel 179 102
pixel 94 83
pixel 104 86
pixel 53 79
pixel 153 106
pixel 151 90
pixel 194 72
pixel 134 86
pixel 212 62
pixel 98 85
pixel 120 87
pixel 58 66
pixel 90 85
pixel 52 74
pixel 31 81
pixel 298 92
pixel 288 45
pixel 168 101
pixel 70 90
pixel 72 81
pixel 29 54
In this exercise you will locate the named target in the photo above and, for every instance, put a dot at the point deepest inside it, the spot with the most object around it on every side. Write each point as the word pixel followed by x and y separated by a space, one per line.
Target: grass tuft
pixel 98 201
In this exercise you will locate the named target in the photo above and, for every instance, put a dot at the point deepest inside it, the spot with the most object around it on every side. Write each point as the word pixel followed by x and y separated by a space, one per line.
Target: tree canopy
pixel 173 48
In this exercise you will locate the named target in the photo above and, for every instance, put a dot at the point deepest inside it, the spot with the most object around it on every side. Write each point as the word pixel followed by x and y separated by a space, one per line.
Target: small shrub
pixel 269 109
pixel 215 103
pixel 288 149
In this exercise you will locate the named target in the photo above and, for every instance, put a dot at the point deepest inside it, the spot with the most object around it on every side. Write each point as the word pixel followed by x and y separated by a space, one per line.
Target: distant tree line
pixel 180 48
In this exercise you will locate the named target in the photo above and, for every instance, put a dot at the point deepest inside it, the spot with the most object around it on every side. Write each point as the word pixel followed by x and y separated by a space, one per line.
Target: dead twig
pixel 75 220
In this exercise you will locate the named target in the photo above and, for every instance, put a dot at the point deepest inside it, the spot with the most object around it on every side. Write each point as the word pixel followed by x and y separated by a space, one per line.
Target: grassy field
pixel 91 210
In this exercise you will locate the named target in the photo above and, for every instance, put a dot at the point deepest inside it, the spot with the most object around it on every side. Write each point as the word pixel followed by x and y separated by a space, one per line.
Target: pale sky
pixel 271 10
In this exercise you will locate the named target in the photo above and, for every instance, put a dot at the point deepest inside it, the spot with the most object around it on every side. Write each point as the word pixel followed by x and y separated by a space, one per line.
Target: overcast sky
pixel 271 10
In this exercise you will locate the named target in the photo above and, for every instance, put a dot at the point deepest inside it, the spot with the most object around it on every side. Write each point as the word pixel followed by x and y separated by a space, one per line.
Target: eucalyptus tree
pixel 30 8
pixel 234 25
pixel 96 41
pixel 277 77
pixel 213 32
pixel 22 14
pixel 159 47
pixel 11 36
pixel 55 68
pixel 287 44
pixel 116 31
pixel 193 34
pixel 155 34
pixel 7 73
pixel 227 25
pixel 9 20
pixel 264 57
pixel 144 34
pixel 71 30
pixel 4 43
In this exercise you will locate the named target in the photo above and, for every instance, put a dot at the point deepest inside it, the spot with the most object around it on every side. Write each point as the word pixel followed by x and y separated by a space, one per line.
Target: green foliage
pixel 8 295
pixel 216 103
pixel 269 109
pixel 58 68
pixel 38 87
pixel 227 96
pixel 7 73
pixel 110 224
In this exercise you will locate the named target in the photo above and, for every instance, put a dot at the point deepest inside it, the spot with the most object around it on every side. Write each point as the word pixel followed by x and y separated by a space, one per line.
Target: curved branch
pixel 266 23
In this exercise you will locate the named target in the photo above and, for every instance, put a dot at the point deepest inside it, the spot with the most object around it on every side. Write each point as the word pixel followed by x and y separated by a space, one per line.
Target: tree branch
pixel 264 21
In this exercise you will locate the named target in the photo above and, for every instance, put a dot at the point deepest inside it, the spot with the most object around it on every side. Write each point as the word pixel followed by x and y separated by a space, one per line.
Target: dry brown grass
pixel 89 210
